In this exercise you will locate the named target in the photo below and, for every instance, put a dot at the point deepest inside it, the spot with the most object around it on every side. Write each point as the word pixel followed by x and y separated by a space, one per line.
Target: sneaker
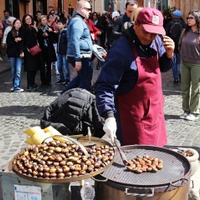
pixel 60 82
pixel 175 81
pixel 57 72
pixel 18 90
pixel 192 117
pixel 1 58
pixel 184 115
pixel 12 89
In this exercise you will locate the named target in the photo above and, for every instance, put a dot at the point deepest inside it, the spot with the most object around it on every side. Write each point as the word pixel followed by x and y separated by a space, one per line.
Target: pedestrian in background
pixel 62 52
pixel 31 63
pixel 15 54
pixel 52 23
pixel 173 30
pixel 111 24
pixel 7 30
pixel 102 25
pixel 189 45
pixel 5 20
pixel 122 21
pixel 129 88
pixel 1 36
pixel 94 31
pixel 46 39
pixel 79 48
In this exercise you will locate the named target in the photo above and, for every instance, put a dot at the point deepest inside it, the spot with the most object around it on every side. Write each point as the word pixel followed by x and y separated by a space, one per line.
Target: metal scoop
pixel 121 153
pixel 90 143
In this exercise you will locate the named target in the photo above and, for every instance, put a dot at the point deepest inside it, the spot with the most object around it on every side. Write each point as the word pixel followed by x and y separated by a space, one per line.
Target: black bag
pixel 175 31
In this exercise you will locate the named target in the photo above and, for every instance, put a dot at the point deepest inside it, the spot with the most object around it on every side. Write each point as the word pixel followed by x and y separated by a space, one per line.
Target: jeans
pixel 16 66
pixel 62 62
pixel 177 66
pixel 84 76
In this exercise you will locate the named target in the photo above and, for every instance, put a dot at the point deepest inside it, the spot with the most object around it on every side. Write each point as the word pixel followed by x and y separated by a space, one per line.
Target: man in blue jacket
pixel 79 48
pixel 129 88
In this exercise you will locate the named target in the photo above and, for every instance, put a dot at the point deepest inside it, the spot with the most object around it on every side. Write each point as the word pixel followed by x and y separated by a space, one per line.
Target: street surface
pixel 19 111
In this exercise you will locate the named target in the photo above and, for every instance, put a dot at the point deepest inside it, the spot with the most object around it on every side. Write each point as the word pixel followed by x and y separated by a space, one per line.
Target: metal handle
pixel 98 180
pixel 135 192
pixel 180 182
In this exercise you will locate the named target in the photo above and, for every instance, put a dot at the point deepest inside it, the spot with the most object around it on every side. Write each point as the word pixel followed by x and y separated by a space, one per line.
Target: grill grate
pixel 175 167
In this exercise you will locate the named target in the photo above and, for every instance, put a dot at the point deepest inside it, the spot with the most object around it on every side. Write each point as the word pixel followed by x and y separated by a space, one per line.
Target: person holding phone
pixel 129 89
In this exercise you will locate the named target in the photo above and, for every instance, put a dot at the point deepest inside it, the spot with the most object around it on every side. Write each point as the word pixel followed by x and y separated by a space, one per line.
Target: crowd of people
pixel 128 91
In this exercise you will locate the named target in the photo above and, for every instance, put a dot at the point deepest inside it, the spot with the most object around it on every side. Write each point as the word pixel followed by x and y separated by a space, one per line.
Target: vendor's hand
pixel 169 46
pixel 110 128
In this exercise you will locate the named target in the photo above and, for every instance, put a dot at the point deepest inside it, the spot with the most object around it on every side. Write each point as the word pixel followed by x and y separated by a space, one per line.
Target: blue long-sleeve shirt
pixel 119 73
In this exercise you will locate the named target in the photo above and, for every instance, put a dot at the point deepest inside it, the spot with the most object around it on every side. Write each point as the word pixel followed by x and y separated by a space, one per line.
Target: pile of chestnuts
pixel 144 164
pixel 58 160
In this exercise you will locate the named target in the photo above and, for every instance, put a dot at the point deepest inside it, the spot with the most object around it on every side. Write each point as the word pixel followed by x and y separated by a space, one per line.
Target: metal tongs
pixel 121 153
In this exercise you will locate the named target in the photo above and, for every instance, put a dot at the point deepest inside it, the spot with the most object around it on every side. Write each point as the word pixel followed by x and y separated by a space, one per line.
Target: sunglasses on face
pixel 190 18
pixel 88 9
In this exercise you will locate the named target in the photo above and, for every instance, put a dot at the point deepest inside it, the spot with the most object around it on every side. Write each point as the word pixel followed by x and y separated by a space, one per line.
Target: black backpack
pixel 175 31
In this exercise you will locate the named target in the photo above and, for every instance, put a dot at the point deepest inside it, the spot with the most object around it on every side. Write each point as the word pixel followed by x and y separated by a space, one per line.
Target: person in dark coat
pixel 72 113
pixel 14 42
pixel 46 39
pixel 124 20
pixel 31 63
pixel 174 29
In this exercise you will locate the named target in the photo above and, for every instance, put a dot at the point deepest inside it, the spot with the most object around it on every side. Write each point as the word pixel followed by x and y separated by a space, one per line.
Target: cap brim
pixel 154 29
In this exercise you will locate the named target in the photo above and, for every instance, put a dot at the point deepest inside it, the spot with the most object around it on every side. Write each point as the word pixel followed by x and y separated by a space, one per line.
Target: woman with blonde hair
pixel 135 14
pixel 46 38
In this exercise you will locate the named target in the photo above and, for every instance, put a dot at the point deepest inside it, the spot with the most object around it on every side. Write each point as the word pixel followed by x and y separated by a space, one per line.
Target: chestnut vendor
pixel 129 89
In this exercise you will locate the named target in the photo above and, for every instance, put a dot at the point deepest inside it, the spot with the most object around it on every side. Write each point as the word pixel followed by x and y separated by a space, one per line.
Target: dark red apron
pixel 141 110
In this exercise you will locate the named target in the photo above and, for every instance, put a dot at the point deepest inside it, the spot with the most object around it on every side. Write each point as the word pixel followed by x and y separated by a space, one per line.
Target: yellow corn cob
pixel 31 131
pixel 38 138
pixel 52 131
pixel 29 141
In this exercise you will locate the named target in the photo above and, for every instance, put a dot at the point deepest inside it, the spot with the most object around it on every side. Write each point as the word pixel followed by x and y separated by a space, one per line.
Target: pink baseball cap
pixel 152 20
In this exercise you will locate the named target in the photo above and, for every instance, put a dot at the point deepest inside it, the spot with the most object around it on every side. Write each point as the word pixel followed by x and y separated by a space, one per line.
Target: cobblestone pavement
pixel 19 111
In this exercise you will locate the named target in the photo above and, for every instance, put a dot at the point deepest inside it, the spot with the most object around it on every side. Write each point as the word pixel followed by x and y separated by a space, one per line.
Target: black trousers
pixel 45 71
pixel 31 78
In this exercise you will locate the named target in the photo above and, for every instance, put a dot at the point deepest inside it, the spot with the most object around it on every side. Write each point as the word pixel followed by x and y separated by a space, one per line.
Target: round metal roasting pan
pixel 175 172
pixel 84 141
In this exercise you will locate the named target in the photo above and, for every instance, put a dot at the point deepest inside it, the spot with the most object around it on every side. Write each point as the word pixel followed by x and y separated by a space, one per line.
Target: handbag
pixel 35 50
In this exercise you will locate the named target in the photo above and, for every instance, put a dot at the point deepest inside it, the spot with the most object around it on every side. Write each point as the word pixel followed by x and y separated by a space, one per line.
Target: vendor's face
pixel 144 37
